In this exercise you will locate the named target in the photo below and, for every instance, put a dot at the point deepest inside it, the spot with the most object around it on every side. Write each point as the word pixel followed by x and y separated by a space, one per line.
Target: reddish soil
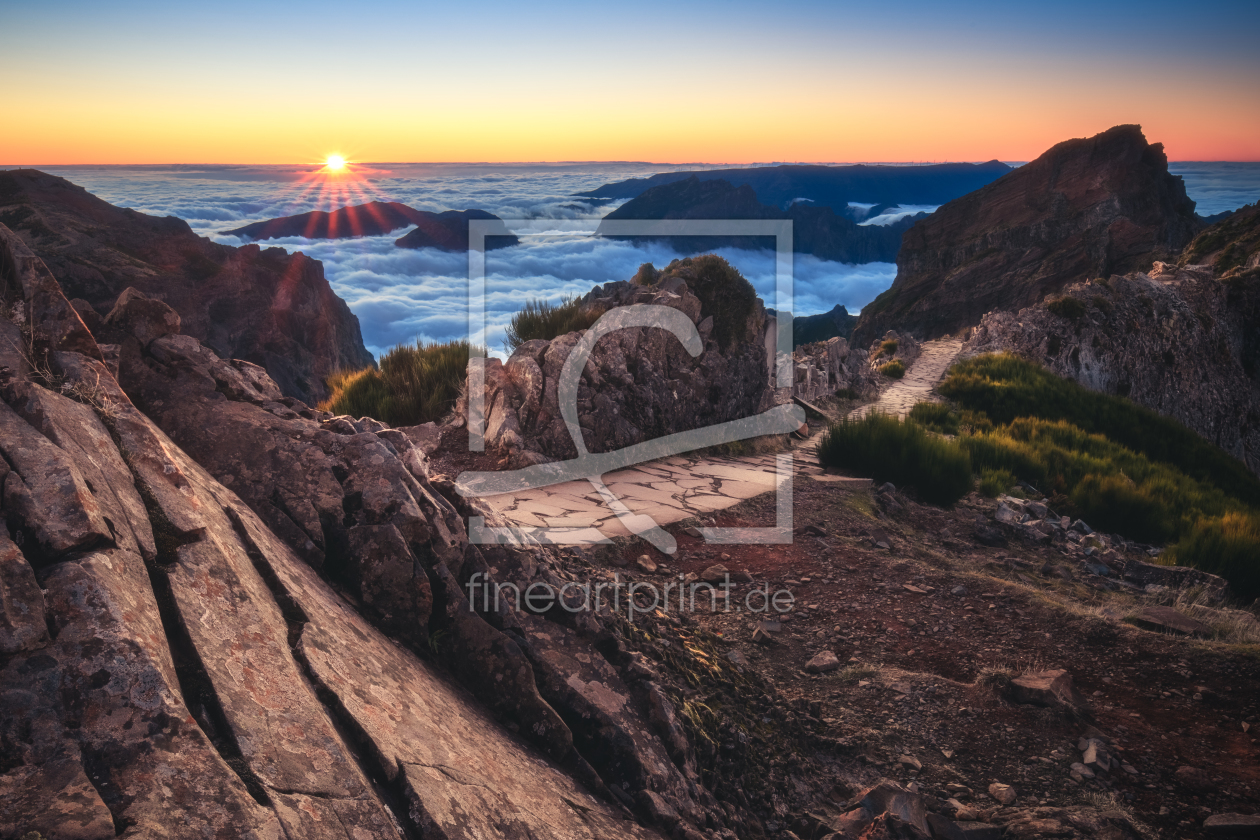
pixel 924 671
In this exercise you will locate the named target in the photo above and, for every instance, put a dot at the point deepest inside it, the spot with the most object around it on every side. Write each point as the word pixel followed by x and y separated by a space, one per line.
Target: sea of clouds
pixel 401 296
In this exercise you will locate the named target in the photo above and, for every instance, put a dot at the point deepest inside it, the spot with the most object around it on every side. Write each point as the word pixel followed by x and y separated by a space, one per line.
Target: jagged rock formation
pixel 815 230
pixel 1177 340
pixel 182 667
pixel 1086 208
pixel 1231 247
pixel 825 367
pixel 267 306
pixel 838 323
pixel 447 231
pixel 639 383
pixel 832 186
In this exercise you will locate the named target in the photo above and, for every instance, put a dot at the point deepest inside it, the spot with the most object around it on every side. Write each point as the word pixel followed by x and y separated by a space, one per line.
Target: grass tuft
pixel 894 369
pixel 542 320
pixel 415 384
pixel 887 449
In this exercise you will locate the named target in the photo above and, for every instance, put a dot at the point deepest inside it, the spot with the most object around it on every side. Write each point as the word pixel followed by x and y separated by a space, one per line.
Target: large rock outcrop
pixel 1086 208
pixel 1177 340
pixel 267 306
pixel 639 383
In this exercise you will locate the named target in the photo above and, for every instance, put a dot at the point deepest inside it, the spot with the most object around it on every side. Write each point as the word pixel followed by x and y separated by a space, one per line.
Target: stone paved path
pixel 687 486
pixel 916 386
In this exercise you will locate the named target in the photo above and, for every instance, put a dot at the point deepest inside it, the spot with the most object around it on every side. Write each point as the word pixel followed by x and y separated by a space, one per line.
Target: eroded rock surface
pixel 270 307
pixel 173 664
pixel 1086 208
pixel 1178 340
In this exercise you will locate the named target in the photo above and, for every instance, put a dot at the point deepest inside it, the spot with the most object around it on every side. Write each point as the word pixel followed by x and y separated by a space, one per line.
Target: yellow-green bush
pixel 886 449
pixel 542 320
pixel 894 369
pixel 996 482
pixel 1228 546
pixel 415 384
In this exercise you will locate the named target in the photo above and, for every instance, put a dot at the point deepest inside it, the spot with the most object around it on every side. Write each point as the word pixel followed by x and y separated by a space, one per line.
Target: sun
pixel 335 163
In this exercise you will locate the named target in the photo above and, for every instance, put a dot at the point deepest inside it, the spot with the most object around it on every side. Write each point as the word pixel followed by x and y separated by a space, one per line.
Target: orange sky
pixel 181 89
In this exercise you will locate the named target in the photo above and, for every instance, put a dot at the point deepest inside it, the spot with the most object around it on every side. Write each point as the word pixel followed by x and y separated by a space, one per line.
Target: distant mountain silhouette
pixel 832 186
pixel 838 323
pixel 447 231
pixel 815 230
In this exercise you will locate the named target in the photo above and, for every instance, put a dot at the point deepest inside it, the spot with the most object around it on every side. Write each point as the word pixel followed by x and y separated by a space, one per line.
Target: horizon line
pixel 319 166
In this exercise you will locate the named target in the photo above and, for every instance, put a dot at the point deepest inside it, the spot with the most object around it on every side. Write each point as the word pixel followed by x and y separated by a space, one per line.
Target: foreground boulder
pixel 190 669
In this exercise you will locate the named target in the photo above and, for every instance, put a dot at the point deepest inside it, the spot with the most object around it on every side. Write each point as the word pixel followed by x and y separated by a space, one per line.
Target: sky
pixel 729 82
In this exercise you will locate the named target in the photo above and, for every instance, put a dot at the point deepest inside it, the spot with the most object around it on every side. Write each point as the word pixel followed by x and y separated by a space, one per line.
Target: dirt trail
pixel 916 386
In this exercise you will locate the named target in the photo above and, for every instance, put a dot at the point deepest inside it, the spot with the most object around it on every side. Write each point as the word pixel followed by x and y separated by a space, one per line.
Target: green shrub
pixel 1228 546
pixel 723 292
pixel 996 482
pixel 935 416
pixel 542 320
pixel 1067 307
pixel 887 449
pixel 888 348
pixel 1004 387
pixel 415 384
pixel 894 369
pixel 1112 488
pixel 647 275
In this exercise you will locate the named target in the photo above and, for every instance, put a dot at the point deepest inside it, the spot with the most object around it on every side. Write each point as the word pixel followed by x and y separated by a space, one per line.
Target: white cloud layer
pixel 402 296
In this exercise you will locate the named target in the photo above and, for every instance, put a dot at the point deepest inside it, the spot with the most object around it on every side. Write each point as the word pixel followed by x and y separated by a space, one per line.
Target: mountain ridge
pixel 1086 207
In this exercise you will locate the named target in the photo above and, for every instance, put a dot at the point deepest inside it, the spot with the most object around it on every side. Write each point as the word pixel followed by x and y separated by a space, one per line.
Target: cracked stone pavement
pixel 684 486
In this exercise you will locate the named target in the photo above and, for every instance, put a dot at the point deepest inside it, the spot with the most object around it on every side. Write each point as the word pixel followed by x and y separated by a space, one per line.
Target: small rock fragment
pixel 1002 793
pixel 822 663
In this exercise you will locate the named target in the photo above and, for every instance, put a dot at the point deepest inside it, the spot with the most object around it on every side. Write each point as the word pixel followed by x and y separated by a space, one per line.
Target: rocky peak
pixel 266 306
pixel 1086 208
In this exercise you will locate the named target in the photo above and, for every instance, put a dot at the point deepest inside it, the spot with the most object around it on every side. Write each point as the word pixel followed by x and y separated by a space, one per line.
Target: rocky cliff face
pixel 266 306
pixel 170 665
pixel 225 614
pixel 1177 340
pixel 1086 208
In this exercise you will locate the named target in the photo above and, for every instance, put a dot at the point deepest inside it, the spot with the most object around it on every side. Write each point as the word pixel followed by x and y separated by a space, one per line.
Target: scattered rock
pixel 1166 619
pixel 646 564
pixel 716 573
pixel 1004 794
pixel 911 762
pixel 1053 689
pixel 822 662
pixel 1232 825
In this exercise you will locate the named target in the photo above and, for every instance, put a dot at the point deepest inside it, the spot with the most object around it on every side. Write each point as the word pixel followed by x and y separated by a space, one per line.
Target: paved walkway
pixel 916 386
pixel 685 486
